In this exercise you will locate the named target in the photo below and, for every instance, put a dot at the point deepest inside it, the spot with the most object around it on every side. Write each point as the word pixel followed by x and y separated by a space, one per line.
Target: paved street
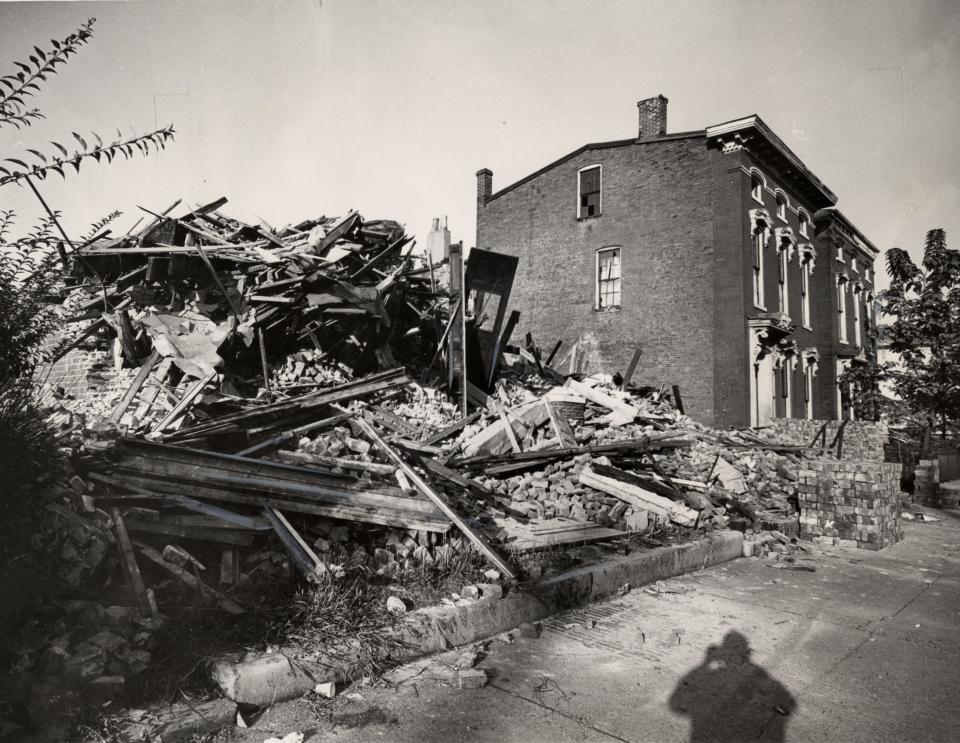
pixel 863 649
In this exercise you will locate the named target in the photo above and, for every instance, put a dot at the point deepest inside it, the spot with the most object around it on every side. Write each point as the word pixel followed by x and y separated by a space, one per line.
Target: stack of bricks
pixel 850 504
pixel 861 439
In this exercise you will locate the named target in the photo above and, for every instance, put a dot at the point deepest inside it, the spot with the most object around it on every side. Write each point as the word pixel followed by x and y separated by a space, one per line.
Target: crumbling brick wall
pixel 850 504
pixel 861 439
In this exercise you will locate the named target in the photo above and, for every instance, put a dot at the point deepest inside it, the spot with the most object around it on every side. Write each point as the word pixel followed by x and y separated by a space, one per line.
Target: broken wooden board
pixel 561 426
pixel 477 539
pixel 620 412
pixel 225 603
pixel 639 498
pixel 541 534
pixel 300 552
pixel 200 533
pixel 494 438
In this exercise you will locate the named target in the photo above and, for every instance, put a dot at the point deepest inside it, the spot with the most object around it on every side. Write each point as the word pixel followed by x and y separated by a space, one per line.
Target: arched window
pixel 756 185
pixel 804 224
pixel 781 206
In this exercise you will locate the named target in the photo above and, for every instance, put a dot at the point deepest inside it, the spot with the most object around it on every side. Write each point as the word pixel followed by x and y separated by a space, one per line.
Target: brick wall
pixel 850 504
pixel 861 439
pixel 657 207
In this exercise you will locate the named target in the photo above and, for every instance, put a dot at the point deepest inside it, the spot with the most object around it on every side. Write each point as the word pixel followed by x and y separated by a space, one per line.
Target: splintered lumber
pixel 620 412
pixel 134 387
pixel 639 498
pixel 142 465
pixel 453 428
pixel 508 429
pixel 375 468
pixel 478 540
pixel 293 434
pixel 629 448
pixel 300 552
pixel 445 473
pixel 561 426
pixel 281 412
pixel 131 570
pixel 186 401
pixel 225 603
pixel 494 438
pixel 631 368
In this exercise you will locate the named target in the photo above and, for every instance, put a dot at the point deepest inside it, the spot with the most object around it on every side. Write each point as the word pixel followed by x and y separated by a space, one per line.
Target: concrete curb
pixel 278 677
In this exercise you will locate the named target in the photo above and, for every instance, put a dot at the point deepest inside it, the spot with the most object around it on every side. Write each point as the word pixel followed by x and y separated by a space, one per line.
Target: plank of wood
pixel 454 477
pixel 131 570
pixel 185 402
pixel 508 429
pixel 453 428
pixel 294 434
pixel 631 368
pixel 502 342
pixel 225 602
pixel 561 426
pixel 183 531
pixel 296 457
pixel 620 412
pixel 134 387
pixel 300 552
pixel 477 539
pixel 344 509
pixel 639 498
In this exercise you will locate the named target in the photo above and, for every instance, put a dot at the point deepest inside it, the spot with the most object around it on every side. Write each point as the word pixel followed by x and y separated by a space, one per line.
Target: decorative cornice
pixel 760 222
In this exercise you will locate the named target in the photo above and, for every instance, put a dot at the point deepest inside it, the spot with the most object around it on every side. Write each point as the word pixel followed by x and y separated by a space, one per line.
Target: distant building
pixel 438 241
pixel 717 252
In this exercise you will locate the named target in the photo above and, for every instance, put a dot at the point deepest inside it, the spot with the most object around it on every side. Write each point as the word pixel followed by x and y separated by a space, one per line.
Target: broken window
pixel 608 278
pixel 588 185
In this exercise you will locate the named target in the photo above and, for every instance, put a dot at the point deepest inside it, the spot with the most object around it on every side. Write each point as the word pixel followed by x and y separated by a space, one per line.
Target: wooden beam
pixel 134 387
pixel 477 539
pixel 185 402
pixel 631 368
pixel 130 568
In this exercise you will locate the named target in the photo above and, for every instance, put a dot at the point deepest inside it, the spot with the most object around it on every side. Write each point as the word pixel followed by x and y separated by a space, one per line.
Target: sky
pixel 299 108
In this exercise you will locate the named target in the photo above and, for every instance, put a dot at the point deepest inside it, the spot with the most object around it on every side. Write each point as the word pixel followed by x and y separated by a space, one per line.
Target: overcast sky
pixel 300 108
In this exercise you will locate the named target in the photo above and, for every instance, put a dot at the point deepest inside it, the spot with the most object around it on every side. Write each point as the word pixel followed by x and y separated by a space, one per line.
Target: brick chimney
pixel 653 117
pixel 484 186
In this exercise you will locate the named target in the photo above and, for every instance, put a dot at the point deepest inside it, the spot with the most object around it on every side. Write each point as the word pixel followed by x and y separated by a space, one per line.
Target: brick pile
pixel 850 504
pixel 861 439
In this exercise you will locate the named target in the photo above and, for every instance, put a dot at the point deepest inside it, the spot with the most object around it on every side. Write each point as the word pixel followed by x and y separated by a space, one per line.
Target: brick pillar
pixel 653 117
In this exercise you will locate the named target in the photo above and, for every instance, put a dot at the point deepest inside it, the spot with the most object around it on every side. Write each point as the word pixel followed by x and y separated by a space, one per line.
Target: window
pixel 804 224
pixel 608 278
pixel 853 265
pixel 759 238
pixel 806 268
pixel 809 372
pixel 857 298
pixel 782 287
pixel 840 255
pixel 842 306
pixel 866 273
pixel 589 181
pixel 786 369
pixel 756 186
pixel 781 207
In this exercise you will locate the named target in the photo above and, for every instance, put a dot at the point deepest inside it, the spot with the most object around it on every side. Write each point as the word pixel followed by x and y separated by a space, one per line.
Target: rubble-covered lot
pixel 276 455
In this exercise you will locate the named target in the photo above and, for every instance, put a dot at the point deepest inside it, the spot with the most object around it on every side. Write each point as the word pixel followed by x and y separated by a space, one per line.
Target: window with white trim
pixel 806 268
pixel 842 306
pixel 857 298
pixel 853 264
pixel 589 185
pixel 608 278
pixel 804 224
pixel 783 288
pixel 809 372
pixel 781 207
pixel 866 273
pixel 756 186
pixel 759 239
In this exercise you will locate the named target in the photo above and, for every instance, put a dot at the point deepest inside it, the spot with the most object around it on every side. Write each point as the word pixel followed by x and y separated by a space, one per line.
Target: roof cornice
pixel 750 127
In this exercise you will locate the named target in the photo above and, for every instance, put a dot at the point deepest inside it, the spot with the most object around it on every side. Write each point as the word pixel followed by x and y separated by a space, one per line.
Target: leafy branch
pixel 97 226
pixel 56 164
pixel 21 85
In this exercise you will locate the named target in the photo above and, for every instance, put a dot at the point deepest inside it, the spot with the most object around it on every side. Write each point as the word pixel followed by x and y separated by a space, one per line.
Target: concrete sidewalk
pixel 863 649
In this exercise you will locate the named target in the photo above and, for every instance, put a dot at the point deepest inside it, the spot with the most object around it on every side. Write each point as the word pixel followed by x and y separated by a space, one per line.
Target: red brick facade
pixel 679 208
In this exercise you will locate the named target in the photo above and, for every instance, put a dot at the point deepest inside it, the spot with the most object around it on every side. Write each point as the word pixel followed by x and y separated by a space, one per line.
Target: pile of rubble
pixel 283 401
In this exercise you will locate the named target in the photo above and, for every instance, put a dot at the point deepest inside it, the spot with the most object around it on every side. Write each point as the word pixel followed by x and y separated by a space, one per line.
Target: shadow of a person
pixel 730 699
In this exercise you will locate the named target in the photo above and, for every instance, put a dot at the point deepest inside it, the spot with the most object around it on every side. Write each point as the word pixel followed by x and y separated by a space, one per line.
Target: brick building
pixel 716 252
